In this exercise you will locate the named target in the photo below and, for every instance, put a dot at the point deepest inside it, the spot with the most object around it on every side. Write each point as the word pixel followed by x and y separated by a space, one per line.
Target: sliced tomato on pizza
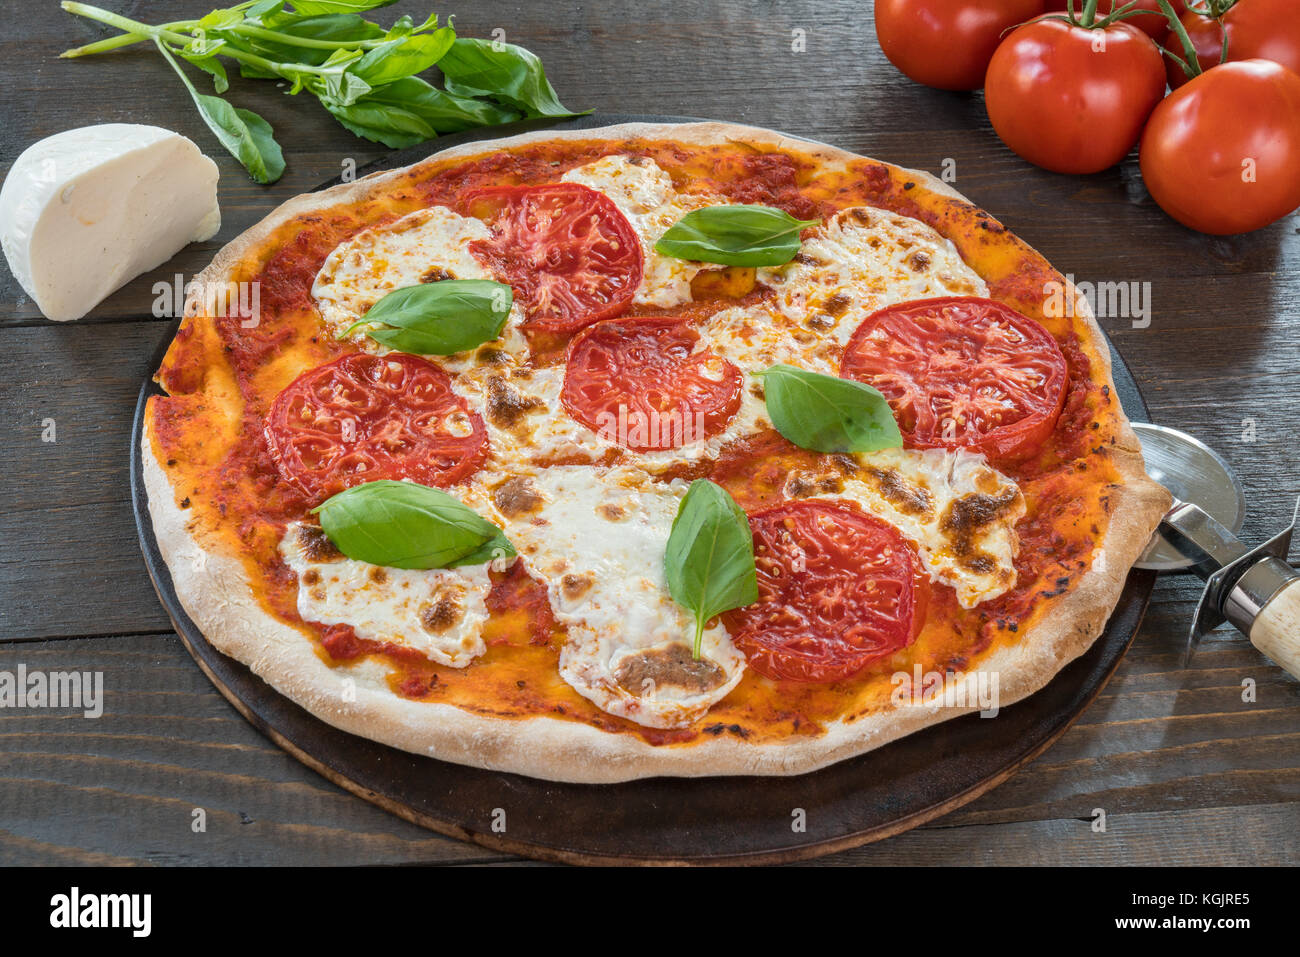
pixel 644 384
pixel 364 417
pixel 567 251
pixel 838 589
pixel 962 372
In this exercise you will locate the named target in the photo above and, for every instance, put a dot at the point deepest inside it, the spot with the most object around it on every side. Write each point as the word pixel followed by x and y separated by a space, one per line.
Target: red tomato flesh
pixel 838 589
pixel 364 417
pixel 962 372
pixel 638 383
pixel 566 250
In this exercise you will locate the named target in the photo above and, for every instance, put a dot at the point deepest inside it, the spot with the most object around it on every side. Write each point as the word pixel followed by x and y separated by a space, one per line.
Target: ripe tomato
pixel 1152 23
pixel 637 382
pixel 565 249
pixel 1256 29
pixel 962 372
pixel 1073 99
pixel 365 417
pixel 1221 153
pixel 947 43
pixel 837 589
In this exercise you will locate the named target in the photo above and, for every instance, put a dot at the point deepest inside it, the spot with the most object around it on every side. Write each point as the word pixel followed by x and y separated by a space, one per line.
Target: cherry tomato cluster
pixel 1073 85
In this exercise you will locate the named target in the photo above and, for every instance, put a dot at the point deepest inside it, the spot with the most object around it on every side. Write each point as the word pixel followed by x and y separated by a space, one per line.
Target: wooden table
pixel 1186 771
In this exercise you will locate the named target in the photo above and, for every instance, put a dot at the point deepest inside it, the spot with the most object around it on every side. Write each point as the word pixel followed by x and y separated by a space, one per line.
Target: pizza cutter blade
pixel 1254 589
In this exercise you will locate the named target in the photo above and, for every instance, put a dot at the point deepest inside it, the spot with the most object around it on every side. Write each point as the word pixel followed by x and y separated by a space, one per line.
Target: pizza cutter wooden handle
pixel 1276 630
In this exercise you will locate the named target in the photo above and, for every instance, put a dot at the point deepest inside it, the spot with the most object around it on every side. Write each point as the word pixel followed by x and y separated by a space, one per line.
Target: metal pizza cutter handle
pixel 1255 589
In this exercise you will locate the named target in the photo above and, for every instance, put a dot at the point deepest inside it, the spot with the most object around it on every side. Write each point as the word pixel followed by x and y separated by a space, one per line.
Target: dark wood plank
pixel 1162 750
pixel 69 564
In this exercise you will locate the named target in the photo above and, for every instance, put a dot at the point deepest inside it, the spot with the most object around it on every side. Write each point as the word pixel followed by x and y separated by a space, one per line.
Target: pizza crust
pixel 216 593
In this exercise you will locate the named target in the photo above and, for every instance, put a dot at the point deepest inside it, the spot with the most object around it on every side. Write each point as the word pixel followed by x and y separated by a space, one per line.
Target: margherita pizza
pixel 645 450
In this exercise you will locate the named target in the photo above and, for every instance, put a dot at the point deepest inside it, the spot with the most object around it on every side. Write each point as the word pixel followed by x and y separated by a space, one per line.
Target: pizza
pixel 678 449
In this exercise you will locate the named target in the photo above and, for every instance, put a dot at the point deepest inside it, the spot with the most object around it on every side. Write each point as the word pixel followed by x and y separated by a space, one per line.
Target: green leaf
pixel 502 71
pixel 709 561
pixel 314 7
pixel 442 111
pixel 391 125
pixel 405 525
pixel 247 136
pixel 438 318
pixel 336 28
pixel 735 236
pixel 214 66
pixel 264 8
pixel 828 414
pixel 220 18
pixel 404 56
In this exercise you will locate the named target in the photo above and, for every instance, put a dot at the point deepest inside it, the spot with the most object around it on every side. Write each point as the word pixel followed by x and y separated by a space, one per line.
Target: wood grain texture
pixel 1186 771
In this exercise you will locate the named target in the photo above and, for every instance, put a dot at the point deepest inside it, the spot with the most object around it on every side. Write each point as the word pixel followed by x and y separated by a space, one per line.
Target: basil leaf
pixel 503 71
pixel 709 561
pixel 828 414
pixel 439 318
pixel 247 136
pixel 404 525
pixel 211 64
pixel 390 125
pixel 443 112
pixel 404 56
pixel 337 28
pixel 312 7
pixel 735 236
pixel 264 8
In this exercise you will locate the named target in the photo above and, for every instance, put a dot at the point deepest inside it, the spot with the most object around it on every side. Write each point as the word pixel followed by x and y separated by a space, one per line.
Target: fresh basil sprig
pixel 404 525
pixel 438 318
pixel 709 561
pixel 362 73
pixel 249 138
pixel 828 414
pixel 735 236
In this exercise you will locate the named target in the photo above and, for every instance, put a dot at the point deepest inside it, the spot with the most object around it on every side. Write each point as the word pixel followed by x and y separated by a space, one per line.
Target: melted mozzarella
pixel 644 193
pixel 439 612
pixel 427 245
pixel 960 512
pixel 597 537
pixel 862 259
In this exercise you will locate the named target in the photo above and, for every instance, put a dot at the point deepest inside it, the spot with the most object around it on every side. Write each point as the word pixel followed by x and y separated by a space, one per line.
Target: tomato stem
pixel 1191 66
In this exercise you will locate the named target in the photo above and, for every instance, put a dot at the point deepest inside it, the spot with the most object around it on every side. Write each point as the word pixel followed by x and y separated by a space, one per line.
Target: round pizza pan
pixel 720 820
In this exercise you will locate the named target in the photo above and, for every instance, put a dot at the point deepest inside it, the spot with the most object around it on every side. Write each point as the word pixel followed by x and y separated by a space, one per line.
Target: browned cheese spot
pixel 671 666
pixel 897 491
pixel 837 304
pixel 440 614
pixel 575 586
pixel 437 274
pixel 505 405
pixel 516 496
pixel 964 518
pixel 317 547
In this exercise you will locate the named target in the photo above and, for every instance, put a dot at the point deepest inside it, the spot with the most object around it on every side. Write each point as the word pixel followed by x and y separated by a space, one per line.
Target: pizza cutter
pixel 1255 589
